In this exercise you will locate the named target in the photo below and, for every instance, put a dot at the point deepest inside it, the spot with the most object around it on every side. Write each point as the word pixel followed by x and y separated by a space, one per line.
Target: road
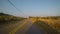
pixel 27 27
pixel 22 27
pixel 34 30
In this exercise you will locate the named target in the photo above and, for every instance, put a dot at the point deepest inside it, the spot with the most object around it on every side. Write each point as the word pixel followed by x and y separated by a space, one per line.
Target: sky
pixel 27 8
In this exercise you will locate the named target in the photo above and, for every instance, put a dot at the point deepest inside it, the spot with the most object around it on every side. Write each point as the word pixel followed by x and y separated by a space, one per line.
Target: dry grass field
pixel 54 22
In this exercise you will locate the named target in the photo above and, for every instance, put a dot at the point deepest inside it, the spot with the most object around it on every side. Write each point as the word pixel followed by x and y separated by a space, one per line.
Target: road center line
pixel 18 27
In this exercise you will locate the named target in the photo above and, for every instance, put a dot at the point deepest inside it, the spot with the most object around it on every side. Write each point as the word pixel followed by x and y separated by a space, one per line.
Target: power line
pixel 15 6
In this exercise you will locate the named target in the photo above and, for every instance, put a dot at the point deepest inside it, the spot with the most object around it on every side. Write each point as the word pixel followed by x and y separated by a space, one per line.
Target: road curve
pixel 29 28
pixel 34 30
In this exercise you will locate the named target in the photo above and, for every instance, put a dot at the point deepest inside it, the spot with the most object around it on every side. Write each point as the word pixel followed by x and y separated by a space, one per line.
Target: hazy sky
pixel 31 7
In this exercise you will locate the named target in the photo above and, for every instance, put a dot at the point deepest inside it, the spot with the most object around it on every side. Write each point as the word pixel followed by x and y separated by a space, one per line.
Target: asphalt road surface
pixel 31 29
pixel 34 30
pixel 27 27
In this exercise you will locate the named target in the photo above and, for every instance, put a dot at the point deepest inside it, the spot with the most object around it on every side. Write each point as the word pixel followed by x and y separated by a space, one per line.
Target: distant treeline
pixel 10 18
pixel 52 17
pixel 6 18
pixel 49 17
